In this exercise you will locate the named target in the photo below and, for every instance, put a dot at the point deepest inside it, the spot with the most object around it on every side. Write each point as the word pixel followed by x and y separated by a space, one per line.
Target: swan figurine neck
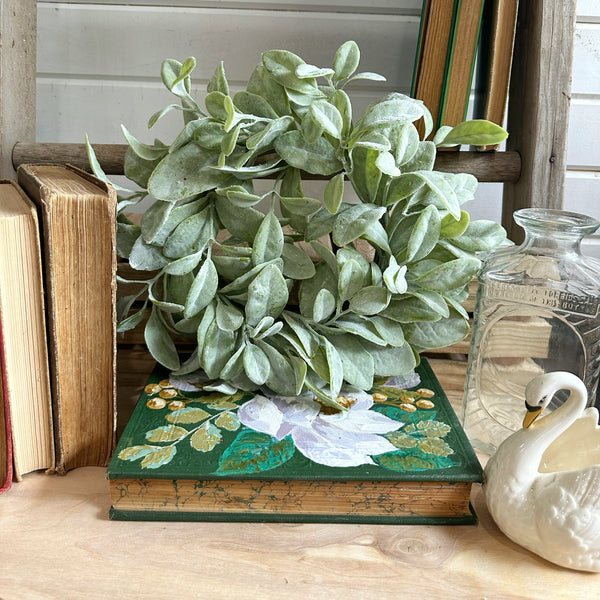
pixel 555 514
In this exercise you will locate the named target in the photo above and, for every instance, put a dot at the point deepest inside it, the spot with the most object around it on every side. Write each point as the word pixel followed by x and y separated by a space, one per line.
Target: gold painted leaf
pixel 429 428
pixel 159 457
pixel 228 421
pixel 187 415
pixel 167 433
pixel 206 438
pixel 434 445
pixel 401 439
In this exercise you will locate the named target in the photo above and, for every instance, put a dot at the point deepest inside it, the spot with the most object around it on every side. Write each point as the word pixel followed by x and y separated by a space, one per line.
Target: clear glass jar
pixel 537 311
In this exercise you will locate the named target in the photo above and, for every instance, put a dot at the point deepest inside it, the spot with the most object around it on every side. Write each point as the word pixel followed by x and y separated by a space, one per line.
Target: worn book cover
pixel 26 437
pixel 394 456
pixel 78 218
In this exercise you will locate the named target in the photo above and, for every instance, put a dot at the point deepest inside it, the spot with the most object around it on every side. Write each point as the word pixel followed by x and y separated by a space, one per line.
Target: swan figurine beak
pixel 533 412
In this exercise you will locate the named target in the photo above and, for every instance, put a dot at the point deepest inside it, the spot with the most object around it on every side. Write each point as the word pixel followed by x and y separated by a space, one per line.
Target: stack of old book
pixel 454 36
pixel 57 321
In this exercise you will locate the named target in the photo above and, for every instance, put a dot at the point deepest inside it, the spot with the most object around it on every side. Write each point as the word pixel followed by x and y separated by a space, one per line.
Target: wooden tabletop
pixel 56 542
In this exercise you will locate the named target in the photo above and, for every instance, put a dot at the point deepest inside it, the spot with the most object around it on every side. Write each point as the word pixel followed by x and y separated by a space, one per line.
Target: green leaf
pixel 267 295
pixel 282 66
pixel 187 172
pixel 219 345
pixel 256 364
pixel 166 433
pixel 191 235
pixel 437 334
pixel 336 369
pixel 386 163
pixel 296 263
pixel 480 236
pixel 281 378
pixel 218 82
pixel 254 104
pixel 328 117
pixel 309 288
pixel 318 158
pixel 350 280
pixel 477 132
pixel 305 71
pixel 450 275
pixel 360 326
pixel 424 235
pixel 208 134
pixel 354 222
pixel 254 452
pixel 334 193
pixel 228 317
pixel 450 227
pixel 370 300
pixel 154 219
pixel 268 243
pixel 144 257
pixel 412 459
pixel 389 361
pixel 346 60
pixel 324 305
pixel 159 342
pixel 229 214
pixel 262 84
pixel 300 206
pixel 357 363
pixel 202 290
pixel 341 101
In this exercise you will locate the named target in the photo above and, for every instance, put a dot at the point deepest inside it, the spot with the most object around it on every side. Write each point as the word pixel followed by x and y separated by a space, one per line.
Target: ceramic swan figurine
pixel 542 486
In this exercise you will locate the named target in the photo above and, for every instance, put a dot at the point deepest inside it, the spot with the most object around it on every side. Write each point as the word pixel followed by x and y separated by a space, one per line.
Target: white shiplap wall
pixel 99 62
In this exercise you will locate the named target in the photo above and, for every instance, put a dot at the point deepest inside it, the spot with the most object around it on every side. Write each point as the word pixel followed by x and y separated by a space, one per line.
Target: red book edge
pixel 5 485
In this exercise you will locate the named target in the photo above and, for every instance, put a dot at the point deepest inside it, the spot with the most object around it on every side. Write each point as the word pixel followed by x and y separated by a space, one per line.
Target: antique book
pixel 78 214
pixel 26 410
pixel 395 456
pixel 436 40
pixel 495 63
pixel 461 62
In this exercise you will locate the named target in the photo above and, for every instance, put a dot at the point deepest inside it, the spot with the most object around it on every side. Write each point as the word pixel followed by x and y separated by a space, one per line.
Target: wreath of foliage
pixel 262 310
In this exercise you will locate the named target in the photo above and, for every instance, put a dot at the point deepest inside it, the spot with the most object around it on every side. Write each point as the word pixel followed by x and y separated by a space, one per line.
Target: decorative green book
pixel 395 456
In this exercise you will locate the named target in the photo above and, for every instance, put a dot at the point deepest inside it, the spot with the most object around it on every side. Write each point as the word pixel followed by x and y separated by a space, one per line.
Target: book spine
pixel 6 481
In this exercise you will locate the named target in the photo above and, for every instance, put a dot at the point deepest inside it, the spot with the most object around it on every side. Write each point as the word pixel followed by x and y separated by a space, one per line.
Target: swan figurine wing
pixel 567 517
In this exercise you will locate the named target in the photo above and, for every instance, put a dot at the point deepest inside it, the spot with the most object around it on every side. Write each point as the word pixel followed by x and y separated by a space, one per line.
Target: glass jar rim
pixel 556 220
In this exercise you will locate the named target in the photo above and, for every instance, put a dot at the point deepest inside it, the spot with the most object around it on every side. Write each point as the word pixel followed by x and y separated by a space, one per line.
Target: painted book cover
pixel 396 455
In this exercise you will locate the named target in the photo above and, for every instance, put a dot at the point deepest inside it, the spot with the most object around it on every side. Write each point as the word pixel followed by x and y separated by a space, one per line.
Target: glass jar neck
pixel 554 231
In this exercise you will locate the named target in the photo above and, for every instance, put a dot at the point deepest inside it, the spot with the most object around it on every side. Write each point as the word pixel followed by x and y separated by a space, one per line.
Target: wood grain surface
pixel 57 542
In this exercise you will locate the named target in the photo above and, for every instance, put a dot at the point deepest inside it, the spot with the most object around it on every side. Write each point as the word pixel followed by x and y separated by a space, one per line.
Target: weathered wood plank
pixel 493 166
pixel 17 77
pixel 538 111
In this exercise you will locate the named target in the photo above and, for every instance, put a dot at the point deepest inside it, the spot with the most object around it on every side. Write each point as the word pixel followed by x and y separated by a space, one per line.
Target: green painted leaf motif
pixel 370 300
pixel 334 193
pixel 267 295
pixel 158 458
pixel 135 452
pixel 186 172
pixel 328 117
pixel 186 416
pixel 256 364
pixel 346 60
pixel 268 243
pixel 436 446
pixel 401 439
pixel 159 342
pixel 202 290
pixel 254 452
pixel 296 263
pixel 318 158
pixel 205 438
pixel 353 222
pixel 412 459
pixel 166 433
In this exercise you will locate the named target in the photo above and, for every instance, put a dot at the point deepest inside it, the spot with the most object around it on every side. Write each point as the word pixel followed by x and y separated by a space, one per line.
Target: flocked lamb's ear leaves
pixel 187 172
pixel 356 361
pixel 354 222
pixel 318 158
pixel 268 242
pixel 477 132
pixel 264 85
pixel 370 300
pixel 389 361
pixel 202 290
pixel 324 305
pixel 346 60
pixel 154 219
pixel 282 65
pixel 191 235
pixel 229 214
pixel 218 347
pixel 282 377
pixel 229 318
pixel 256 364
pixel 449 275
pixel 309 288
pixel 334 193
pixel 480 236
pixel 328 117
pixel 218 82
pixel 144 257
pixel 425 335
pixel 159 342
pixel 296 263
pixel 350 280
pixel 267 295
